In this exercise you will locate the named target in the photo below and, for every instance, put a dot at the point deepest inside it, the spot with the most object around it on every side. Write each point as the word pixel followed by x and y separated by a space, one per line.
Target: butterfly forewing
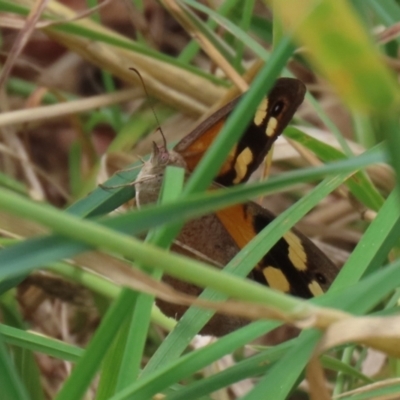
pixel 272 116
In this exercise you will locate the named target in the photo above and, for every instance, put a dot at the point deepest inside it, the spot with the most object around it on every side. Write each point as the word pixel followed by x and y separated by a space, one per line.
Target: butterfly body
pixel 294 265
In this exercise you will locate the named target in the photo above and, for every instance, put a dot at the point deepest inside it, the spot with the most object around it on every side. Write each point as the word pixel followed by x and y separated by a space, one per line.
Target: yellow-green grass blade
pixel 342 51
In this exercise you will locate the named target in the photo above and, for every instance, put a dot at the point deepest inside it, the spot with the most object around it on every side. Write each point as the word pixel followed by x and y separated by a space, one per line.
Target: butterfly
pixel 295 264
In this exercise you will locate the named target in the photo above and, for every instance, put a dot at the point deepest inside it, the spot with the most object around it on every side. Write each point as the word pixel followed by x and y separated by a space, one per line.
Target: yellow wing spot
pixel 271 127
pixel 242 162
pixel 297 255
pixel 276 279
pixel 315 288
pixel 261 112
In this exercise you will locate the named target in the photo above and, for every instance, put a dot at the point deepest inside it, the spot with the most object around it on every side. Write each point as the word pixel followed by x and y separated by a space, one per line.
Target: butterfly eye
pixel 278 107
pixel 320 278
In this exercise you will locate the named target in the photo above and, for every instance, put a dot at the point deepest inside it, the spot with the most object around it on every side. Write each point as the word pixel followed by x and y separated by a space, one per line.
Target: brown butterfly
pixel 294 265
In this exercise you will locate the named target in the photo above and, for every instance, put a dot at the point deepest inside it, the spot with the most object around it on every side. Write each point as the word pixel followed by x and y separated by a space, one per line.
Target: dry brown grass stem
pixel 59 110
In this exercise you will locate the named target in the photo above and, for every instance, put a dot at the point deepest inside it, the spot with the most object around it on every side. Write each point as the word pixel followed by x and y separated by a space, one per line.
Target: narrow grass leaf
pixel 390 128
pixel 232 28
pixel 23 358
pixel 192 49
pixel 11 385
pixel 388 12
pixel 40 344
pixel 373 248
pixel 249 367
pixel 81 377
pixel 220 45
pixel 139 324
pixel 111 369
pixel 279 380
pixel 97 33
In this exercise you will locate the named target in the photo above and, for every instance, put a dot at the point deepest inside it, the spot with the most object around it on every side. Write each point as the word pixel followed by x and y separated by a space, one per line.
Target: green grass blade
pixel 253 366
pixel 10 383
pixel 191 50
pixel 23 358
pixel 111 367
pixel 232 28
pixel 39 343
pixel 279 380
pixel 373 249
pixel 138 330
pixel 88 365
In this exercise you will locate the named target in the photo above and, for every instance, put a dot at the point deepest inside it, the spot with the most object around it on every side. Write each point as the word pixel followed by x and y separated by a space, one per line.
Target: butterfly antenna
pixel 152 109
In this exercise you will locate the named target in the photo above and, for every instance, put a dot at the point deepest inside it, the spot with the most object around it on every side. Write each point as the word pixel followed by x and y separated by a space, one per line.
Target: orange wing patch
pixel 195 150
pixel 238 223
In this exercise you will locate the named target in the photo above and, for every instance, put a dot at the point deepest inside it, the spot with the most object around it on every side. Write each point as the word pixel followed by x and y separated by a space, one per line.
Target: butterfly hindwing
pixel 294 265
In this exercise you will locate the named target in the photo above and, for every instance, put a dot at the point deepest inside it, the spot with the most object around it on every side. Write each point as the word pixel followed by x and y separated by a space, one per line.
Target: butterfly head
pixel 161 157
